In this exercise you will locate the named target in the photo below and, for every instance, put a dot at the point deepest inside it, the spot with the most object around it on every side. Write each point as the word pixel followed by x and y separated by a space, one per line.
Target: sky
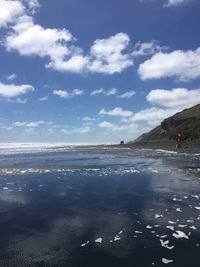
pixel 95 71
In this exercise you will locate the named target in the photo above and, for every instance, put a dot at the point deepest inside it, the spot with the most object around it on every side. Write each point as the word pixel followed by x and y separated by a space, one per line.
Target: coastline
pixel 189 148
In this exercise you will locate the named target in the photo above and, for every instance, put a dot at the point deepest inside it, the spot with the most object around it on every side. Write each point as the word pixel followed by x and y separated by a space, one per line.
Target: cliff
pixel 186 122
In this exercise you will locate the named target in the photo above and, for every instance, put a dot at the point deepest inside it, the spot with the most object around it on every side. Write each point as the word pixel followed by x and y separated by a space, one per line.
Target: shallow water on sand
pixel 82 207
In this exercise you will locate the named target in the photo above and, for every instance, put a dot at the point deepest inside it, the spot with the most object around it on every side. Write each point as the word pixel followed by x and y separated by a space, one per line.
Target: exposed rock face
pixel 187 122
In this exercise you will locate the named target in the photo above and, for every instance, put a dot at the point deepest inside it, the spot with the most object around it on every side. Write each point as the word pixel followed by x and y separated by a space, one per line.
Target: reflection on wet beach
pixel 111 209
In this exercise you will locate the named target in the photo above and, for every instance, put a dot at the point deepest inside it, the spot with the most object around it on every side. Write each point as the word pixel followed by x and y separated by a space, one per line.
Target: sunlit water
pixel 90 206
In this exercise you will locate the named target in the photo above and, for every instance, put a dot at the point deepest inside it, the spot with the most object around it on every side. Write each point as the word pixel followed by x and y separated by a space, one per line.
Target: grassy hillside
pixel 187 122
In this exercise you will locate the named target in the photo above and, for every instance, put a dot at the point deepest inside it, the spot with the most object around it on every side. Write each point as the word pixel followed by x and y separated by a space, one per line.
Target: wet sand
pixel 118 207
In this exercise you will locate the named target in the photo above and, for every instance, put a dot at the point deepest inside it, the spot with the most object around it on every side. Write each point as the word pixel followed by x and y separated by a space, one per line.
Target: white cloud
pixel 124 128
pixel 12 77
pixel 32 39
pixel 88 119
pixel 31 124
pixel 9 11
pixel 44 98
pixel 80 130
pixel 77 92
pixel 128 94
pixel 67 95
pixel 98 91
pixel 33 5
pixel 17 100
pixel 112 91
pixel 7 128
pixel 153 116
pixel 77 64
pixel 174 98
pixel 170 102
pixel 34 124
pixel 58 45
pixel 19 124
pixel 172 3
pixel 12 90
pixel 109 92
pixel 147 48
pixel 61 93
pixel 106 124
pixel 108 55
pixel 120 112
pixel 184 65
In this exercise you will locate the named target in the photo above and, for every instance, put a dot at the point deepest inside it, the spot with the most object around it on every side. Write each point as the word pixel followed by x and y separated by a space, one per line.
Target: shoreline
pixel 168 146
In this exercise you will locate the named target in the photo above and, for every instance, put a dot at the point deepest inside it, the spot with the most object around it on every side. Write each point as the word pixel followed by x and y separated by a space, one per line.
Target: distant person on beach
pixel 178 139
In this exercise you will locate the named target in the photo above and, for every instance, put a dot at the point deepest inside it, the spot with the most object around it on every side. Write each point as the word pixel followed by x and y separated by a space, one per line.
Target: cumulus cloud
pixel 9 11
pixel 61 93
pixel 184 65
pixel 152 116
pixel 109 55
pixel 12 90
pixel 128 94
pixel 118 111
pixel 109 92
pixel 33 5
pixel 174 98
pixel 77 63
pixel 31 39
pixel 147 48
pixel 68 95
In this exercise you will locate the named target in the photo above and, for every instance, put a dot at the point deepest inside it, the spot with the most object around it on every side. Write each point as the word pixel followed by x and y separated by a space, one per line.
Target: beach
pixel 100 206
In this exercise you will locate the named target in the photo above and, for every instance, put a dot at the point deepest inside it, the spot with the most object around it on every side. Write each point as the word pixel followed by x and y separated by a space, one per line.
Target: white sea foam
pixel 15 148
pixel 149 227
pixel 98 240
pixel 193 227
pixel 138 232
pixel 180 234
pixel 117 237
pixel 172 222
pixel 166 261
pixel 170 227
pixel 179 210
pixel 84 244
pixel 166 151
pixel 195 196
pixel 165 244
pixel 158 216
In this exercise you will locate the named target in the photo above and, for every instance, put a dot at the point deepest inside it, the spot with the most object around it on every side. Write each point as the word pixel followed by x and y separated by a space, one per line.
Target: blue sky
pixel 95 71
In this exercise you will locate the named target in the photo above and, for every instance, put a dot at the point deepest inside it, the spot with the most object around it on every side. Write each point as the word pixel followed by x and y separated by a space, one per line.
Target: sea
pixel 98 206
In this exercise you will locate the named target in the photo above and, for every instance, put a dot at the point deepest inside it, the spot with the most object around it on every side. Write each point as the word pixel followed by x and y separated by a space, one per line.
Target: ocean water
pixel 98 206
